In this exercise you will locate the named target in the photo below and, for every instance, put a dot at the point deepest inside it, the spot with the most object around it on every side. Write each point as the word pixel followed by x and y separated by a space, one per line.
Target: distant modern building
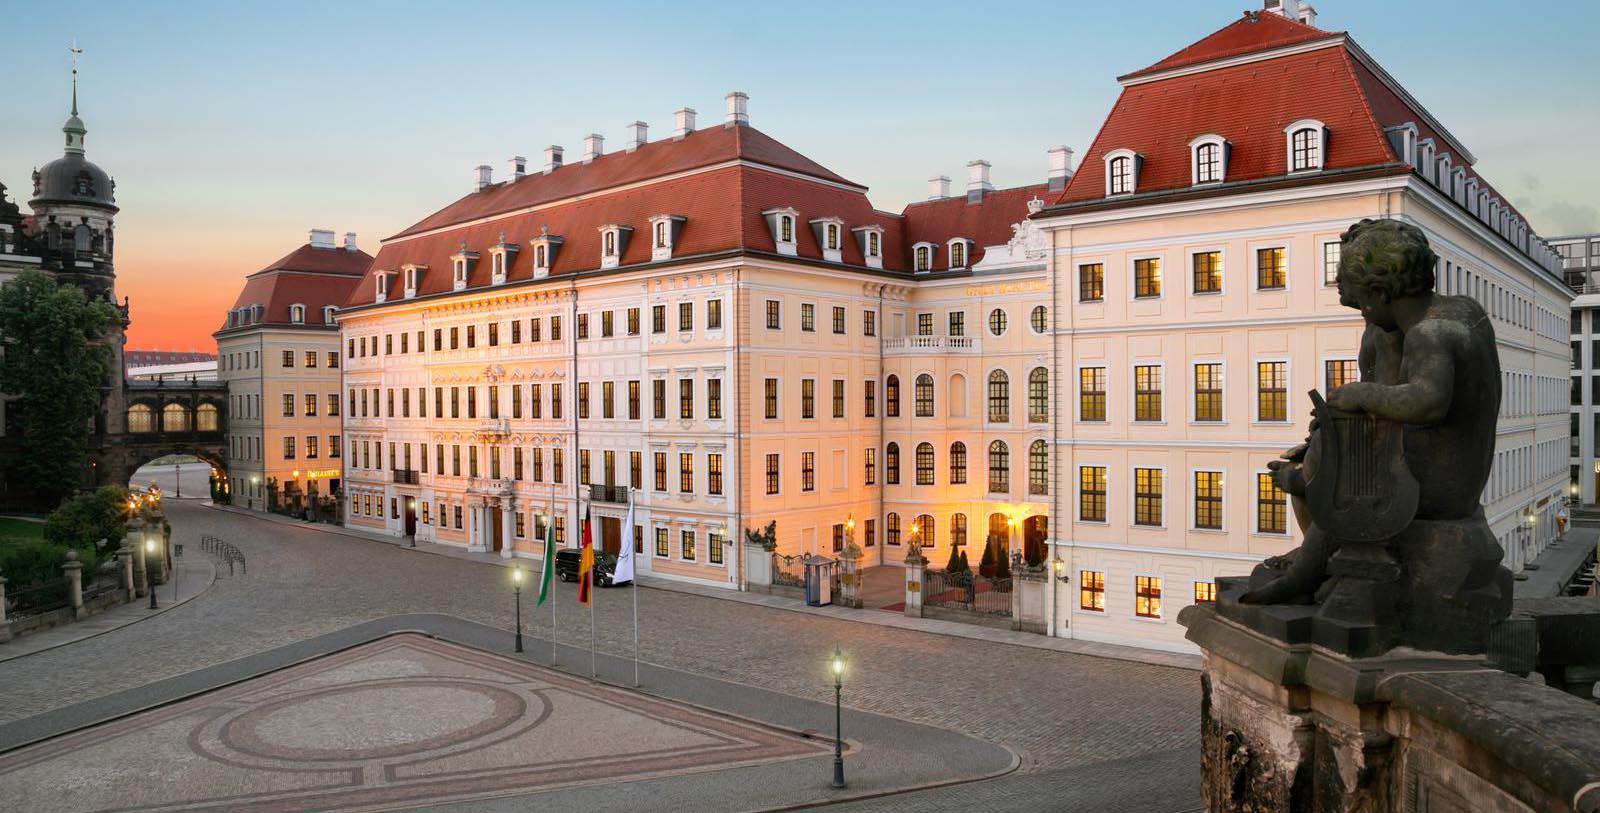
pixel 1580 264
pixel 181 371
pixel 1193 264
pixel 152 358
pixel 278 352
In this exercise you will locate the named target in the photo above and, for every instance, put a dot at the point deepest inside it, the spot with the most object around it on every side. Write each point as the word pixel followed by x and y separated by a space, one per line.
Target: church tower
pixel 73 207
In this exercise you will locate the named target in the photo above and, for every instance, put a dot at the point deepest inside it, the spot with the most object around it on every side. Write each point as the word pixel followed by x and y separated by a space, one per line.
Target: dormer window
pixel 412 278
pixel 297 313
pixel 1122 172
pixel 959 251
pixel 545 248
pixel 922 257
pixel 827 230
pixel 664 231
pixel 1425 160
pixel 613 242
pixel 870 240
pixel 500 257
pixel 1307 145
pixel 461 266
pixel 327 314
pixel 781 222
pixel 1208 159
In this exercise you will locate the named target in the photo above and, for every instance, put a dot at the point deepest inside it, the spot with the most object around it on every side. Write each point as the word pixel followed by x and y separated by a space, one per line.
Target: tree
pixel 53 360
pixel 87 518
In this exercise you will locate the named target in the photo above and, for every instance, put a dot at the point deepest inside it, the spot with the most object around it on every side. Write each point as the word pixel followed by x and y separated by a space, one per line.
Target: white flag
pixel 624 569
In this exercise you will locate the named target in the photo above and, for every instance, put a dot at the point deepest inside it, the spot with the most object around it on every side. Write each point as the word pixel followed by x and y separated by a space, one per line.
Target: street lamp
pixel 149 551
pixel 838 737
pixel 516 587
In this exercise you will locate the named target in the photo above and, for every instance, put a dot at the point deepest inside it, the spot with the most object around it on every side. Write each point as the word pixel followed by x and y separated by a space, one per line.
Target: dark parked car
pixel 567 566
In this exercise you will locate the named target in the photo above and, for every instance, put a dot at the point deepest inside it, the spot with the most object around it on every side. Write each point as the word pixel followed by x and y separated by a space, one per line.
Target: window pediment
pixel 613 243
pixel 782 222
pixel 870 240
pixel 664 232
pixel 1306 143
pixel 1208 159
pixel 1122 168
pixel 829 232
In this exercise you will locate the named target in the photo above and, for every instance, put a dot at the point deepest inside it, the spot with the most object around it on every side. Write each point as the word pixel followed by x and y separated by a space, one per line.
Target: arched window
pixel 82 237
pixel 297 314
pixel 924 464
pixel 661 234
pixel 1039 318
pixel 891 529
pixel 999 397
pixel 141 418
pixel 922 531
pixel 1121 175
pixel 611 244
pixel 891 396
pixel 786 229
pixel 999 535
pixel 1038 468
pixel 174 418
pixel 833 237
pixel 205 418
pixel 1306 141
pixel 1208 163
pixel 956 399
pixel 958 530
pixel 997 321
pixel 958 255
pixel 924 396
pixel 1039 395
pixel 891 464
pixel 958 463
pixel 999 468
pixel 924 258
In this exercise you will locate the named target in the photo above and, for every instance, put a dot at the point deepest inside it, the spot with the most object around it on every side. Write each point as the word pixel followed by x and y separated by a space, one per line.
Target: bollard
pixel 5 626
pixel 72 571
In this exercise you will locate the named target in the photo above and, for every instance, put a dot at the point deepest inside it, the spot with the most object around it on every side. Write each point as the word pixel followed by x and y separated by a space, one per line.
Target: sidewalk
pixel 1548 573
pixel 865 616
pixel 192 578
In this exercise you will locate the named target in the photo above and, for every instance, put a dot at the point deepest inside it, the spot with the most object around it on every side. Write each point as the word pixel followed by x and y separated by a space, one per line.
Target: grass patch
pixel 20 529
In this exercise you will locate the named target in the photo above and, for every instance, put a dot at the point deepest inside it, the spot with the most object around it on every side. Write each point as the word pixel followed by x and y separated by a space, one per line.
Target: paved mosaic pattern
pixel 401 721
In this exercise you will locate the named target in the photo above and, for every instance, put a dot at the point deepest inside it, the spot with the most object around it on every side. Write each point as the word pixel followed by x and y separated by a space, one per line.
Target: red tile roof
pixel 987 223
pixel 700 148
pixel 722 208
pixel 309 276
pixel 1249 105
pixel 1255 31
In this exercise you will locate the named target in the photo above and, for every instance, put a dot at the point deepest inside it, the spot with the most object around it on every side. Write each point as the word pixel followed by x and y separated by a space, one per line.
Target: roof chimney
pixel 939 187
pixel 322 238
pixel 638 135
pixel 485 176
pixel 594 146
pixel 1060 167
pixel 738 109
pixel 552 158
pixel 1293 9
pixel 978 180
pixel 685 117
pixel 350 241
pixel 519 166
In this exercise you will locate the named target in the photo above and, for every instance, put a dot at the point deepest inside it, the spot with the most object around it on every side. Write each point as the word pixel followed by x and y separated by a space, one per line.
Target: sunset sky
pixel 233 128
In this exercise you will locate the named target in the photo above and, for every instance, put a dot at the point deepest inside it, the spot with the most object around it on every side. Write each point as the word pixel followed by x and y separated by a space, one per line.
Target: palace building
pixel 278 354
pixel 722 332
pixel 1192 265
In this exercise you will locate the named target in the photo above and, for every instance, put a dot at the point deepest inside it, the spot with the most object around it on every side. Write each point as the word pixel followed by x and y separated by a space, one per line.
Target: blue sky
pixel 232 128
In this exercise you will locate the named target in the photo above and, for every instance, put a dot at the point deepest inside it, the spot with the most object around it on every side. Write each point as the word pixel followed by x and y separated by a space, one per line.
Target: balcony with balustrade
pixel 930 345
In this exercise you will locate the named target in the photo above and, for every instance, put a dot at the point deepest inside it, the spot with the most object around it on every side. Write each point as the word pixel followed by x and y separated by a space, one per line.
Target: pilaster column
pixel 72 571
pixel 125 566
pixel 916 567
pixel 505 528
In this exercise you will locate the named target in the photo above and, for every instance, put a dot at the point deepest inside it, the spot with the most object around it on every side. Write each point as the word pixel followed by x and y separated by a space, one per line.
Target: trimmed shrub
pixel 1002 566
pixel 986 564
pixel 954 564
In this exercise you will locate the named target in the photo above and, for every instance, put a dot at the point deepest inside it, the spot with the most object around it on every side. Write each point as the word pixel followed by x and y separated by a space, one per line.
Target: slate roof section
pixel 310 276
pixel 1255 31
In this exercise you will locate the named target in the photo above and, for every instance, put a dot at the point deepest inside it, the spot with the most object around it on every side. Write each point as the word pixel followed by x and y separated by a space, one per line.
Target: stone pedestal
pixel 125 566
pixel 916 569
pixel 850 576
pixel 5 624
pixel 72 571
pixel 1296 728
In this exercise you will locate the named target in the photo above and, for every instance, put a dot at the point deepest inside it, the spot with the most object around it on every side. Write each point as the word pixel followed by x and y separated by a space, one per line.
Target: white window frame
pixel 966 253
pixel 933 256
pixel 866 234
pixel 1209 139
pixel 297 311
pixel 1077 392
pixel 668 226
pixel 1322 145
pixel 1194 524
pixel 790 247
pixel 1322 257
pixel 412 276
pixel 1133 285
pixel 820 227
pixel 1077 490
pixel 1255 390
pixel 1133 171
pixel 1190 253
pixel 1194 418
pixel 1288 510
pixel 327 313
pixel 1133 496
pixel 1133 591
pixel 459 272
pixel 1133 399
pixel 1288 266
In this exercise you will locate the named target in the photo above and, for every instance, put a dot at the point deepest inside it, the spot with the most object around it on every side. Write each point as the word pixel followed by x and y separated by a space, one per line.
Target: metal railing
pixel 967 590
pixel 226 552
pixel 604 493
pixel 407 477
pixel 38 600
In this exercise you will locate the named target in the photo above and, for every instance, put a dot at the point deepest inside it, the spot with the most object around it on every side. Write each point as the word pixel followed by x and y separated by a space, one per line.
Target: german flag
pixel 585 561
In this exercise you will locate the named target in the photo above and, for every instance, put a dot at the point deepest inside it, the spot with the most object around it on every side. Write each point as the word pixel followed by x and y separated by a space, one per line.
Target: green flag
pixel 549 559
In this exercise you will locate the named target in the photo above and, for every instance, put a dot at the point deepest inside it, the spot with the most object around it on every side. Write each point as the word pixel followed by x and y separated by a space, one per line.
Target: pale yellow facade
pixel 283 410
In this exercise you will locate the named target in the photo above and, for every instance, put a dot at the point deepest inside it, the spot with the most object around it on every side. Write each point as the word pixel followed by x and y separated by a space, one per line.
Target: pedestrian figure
pixel 1561 522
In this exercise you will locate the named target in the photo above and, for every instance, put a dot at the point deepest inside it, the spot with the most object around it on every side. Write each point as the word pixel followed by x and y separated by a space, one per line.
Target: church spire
pixel 74 128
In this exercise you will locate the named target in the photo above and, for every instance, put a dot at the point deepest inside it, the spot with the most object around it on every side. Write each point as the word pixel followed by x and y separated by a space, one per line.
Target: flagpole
pixel 633 573
pixel 550 555
pixel 589 529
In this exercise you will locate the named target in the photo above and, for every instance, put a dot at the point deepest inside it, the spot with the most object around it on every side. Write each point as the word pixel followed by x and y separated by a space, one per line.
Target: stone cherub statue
pixel 1426 572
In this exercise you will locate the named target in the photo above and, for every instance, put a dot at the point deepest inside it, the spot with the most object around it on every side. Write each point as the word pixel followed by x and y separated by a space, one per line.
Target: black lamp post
pixel 149 553
pixel 838 740
pixel 516 588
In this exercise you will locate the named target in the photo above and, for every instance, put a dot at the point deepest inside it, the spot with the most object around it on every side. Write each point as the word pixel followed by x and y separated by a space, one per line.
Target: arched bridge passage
pixel 163 418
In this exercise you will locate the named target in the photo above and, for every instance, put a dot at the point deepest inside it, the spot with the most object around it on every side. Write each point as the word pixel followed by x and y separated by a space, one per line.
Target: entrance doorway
pixel 498 524
pixel 1034 531
pixel 411 516
pixel 610 535
pixel 998 545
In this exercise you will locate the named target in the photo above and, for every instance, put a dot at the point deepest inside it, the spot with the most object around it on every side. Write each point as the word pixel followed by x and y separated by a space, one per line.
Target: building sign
pixel 1000 290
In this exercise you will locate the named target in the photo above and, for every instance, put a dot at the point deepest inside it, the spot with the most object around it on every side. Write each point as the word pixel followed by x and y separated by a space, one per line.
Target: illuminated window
pixel 1092 493
pixel 1208 500
pixel 1092 590
pixel 958 463
pixel 1091 282
pixel 1272 393
pixel 1208 392
pixel 1147 277
pixel 1147 596
pixel 1147 392
pixel 1271 270
pixel 1092 394
pixel 1147 497
pixel 1208 272
pixel 1271 506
